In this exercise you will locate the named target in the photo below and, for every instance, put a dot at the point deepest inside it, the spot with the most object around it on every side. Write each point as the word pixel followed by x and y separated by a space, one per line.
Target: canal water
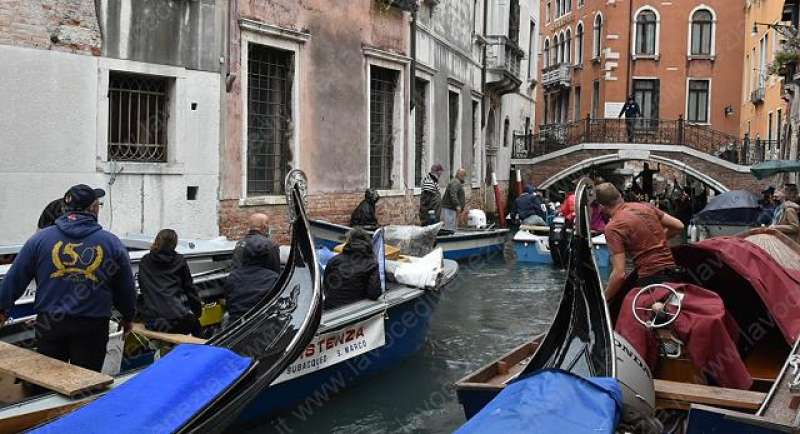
pixel 489 309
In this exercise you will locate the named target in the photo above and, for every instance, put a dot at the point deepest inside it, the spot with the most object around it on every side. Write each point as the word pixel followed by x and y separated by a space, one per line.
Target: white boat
pixel 532 245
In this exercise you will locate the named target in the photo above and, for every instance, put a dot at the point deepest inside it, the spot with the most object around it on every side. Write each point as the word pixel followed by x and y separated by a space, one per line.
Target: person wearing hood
pixel 52 212
pixel 247 284
pixel 786 214
pixel 353 275
pixel 258 229
pixel 430 199
pixel 169 299
pixel 529 208
pixel 365 214
pixel 82 272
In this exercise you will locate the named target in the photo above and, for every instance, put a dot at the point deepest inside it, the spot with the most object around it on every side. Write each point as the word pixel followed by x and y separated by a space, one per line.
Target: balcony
pixel 557 76
pixel 503 60
pixel 757 95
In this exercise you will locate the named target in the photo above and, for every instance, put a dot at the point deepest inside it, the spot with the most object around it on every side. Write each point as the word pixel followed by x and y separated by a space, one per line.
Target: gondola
pixel 725 357
pixel 580 340
pixel 257 348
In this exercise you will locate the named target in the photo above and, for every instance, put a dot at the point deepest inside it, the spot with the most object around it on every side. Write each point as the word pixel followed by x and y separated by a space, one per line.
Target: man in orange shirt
pixel 641 231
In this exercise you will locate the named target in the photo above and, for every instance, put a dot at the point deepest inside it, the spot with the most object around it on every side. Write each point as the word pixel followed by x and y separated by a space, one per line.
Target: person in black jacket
pixel 353 275
pixel 169 299
pixel 258 229
pixel 52 212
pixel 251 280
pixel 631 111
pixel 365 214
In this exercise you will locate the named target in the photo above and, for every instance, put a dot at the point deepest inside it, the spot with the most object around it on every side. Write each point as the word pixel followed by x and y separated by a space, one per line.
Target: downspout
pixel 412 77
pixel 233 14
pixel 628 85
pixel 483 68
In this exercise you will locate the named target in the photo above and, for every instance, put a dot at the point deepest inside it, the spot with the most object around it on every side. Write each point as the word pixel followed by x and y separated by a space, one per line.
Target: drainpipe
pixel 630 53
pixel 483 69
pixel 233 14
pixel 412 79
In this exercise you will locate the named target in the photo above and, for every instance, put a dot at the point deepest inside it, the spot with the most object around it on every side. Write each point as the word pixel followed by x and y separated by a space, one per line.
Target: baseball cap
pixel 81 196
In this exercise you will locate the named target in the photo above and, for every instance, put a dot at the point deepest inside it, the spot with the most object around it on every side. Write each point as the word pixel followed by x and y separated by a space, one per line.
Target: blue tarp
pixel 738 207
pixel 323 256
pixel 162 398
pixel 551 401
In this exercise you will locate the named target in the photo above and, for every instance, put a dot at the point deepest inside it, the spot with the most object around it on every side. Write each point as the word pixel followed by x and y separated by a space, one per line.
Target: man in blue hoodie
pixel 81 271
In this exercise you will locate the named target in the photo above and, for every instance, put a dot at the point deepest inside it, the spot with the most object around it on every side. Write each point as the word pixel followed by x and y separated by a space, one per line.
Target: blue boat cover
pixel 160 399
pixel 551 401
pixel 324 255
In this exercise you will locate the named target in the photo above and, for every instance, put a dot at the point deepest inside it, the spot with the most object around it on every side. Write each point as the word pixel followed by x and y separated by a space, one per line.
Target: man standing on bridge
pixel 631 111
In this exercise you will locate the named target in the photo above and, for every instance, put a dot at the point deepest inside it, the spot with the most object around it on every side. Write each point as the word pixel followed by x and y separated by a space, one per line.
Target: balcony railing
pixel 555 137
pixel 503 64
pixel 559 75
pixel 757 95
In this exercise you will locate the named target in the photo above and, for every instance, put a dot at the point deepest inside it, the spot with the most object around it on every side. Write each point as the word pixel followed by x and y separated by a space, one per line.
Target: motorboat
pixel 532 245
pixel 462 244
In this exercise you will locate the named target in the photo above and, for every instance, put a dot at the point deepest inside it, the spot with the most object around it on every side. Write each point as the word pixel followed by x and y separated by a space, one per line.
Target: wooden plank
pixel 170 338
pixel 684 394
pixel 52 374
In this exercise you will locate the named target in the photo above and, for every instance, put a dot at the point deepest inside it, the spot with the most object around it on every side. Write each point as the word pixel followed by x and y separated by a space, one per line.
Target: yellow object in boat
pixel 392 252
pixel 212 314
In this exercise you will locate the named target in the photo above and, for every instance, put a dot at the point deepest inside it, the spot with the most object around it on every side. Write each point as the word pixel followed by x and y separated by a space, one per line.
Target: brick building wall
pixel 62 25
pixel 615 69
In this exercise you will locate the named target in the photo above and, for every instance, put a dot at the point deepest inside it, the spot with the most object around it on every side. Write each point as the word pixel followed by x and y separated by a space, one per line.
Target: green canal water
pixel 491 308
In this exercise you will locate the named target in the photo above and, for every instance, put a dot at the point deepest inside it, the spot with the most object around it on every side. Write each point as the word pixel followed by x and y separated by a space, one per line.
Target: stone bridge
pixel 719 160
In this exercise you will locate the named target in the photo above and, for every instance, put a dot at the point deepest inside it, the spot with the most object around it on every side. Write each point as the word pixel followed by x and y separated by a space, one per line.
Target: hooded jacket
pixel 272 258
pixel 352 276
pixel 365 214
pixel 167 288
pixel 80 270
pixel 251 280
pixel 529 204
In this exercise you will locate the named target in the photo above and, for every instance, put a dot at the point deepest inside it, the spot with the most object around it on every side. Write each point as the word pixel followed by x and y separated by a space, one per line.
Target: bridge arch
pixel 615 157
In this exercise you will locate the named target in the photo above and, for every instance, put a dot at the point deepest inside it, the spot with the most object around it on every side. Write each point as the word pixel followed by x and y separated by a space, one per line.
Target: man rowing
pixel 641 231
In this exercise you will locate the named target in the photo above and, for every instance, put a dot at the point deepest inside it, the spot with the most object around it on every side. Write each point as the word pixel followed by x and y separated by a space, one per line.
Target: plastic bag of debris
pixel 412 240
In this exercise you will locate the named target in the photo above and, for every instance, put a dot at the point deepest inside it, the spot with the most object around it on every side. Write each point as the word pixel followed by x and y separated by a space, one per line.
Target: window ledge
pixel 700 124
pixel 391 193
pixel 578 66
pixel 596 59
pixel 702 57
pixel 655 57
pixel 140 168
pixel 262 201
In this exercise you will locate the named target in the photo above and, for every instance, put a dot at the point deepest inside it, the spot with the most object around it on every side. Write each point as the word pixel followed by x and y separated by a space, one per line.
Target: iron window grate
pixel 383 83
pixel 269 118
pixel 138 117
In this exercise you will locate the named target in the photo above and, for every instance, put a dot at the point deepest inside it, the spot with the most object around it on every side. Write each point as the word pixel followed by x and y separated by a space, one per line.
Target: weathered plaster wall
pixel 52 136
pixel 331 120
pixel 61 25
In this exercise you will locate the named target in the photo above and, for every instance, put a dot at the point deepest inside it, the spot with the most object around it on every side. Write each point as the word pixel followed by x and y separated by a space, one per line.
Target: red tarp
pixel 776 286
pixel 710 334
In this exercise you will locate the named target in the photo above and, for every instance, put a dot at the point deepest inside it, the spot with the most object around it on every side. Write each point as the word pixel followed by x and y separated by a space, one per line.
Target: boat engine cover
pixel 635 379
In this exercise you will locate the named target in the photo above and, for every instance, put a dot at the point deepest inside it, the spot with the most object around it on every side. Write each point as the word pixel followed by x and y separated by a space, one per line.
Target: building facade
pixel 116 94
pixel 337 89
pixel 763 109
pixel 322 86
pixel 679 60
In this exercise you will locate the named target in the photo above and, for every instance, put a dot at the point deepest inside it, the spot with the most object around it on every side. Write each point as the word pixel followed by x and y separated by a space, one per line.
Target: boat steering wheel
pixel 658 314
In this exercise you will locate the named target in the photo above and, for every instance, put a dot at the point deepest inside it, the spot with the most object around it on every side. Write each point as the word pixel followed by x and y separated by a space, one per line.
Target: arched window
pixel 579 44
pixel 568 46
pixel 546 58
pixel 554 51
pixel 646 33
pixel 598 35
pixel 702 33
pixel 560 57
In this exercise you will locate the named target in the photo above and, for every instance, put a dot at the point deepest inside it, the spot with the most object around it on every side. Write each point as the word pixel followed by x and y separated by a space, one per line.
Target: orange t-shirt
pixel 636 230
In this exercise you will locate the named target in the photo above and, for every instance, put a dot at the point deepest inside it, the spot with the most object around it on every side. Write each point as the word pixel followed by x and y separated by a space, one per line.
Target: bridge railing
pixel 554 137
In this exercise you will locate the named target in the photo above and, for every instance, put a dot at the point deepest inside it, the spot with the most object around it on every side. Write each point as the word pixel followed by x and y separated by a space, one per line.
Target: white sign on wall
pixel 336 347
pixel 612 109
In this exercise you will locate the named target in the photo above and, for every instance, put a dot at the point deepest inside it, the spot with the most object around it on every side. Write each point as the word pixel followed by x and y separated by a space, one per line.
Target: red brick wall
pixel 335 207
pixel 63 25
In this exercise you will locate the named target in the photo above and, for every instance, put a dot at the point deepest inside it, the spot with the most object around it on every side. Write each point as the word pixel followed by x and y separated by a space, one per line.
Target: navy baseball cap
pixel 81 196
